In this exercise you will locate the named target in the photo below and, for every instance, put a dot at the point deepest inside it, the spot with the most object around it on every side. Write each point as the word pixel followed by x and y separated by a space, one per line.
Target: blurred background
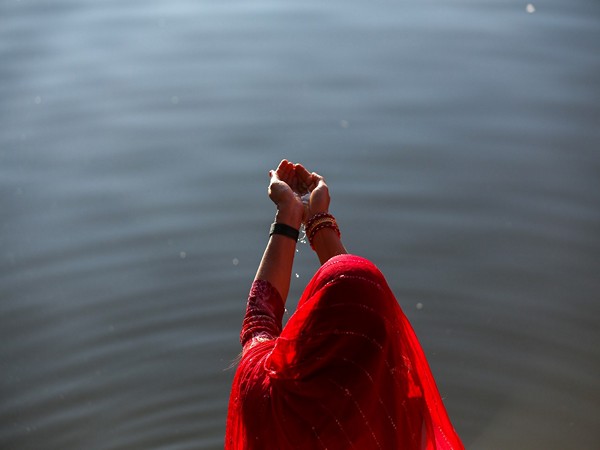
pixel 460 140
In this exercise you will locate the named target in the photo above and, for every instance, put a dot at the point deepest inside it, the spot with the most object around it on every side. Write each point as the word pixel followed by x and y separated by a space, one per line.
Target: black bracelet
pixel 286 230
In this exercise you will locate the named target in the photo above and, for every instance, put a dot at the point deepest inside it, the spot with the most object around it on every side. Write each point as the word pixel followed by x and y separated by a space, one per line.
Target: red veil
pixel 347 371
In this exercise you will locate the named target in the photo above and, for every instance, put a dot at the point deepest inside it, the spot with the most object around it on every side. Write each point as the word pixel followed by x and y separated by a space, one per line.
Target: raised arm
pixel 266 302
pixel 289 184
pixel 276 264
pixel 326 241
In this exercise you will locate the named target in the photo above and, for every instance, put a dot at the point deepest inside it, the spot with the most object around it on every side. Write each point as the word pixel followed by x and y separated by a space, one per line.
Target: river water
pixel 460 141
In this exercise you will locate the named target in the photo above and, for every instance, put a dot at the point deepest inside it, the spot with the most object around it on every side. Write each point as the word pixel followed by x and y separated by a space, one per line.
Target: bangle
pixel 285 230
pixel 313 219
pixel 319 222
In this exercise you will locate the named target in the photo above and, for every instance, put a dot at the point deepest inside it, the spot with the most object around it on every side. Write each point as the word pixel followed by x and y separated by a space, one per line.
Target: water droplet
pixel 530 8
pixel 182 255
pixel 37 100
pixel 235 261
pixel 419 305
pixel 175 100
pixel 344 123
pixel 297 276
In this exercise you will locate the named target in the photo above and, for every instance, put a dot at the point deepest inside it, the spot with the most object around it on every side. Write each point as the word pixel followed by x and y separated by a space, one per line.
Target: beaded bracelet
pixel 320 226
pixel 319 222
pixel 316 217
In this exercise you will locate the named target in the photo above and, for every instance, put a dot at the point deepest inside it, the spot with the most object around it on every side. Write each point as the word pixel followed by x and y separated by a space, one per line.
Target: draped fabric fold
pixel 347 371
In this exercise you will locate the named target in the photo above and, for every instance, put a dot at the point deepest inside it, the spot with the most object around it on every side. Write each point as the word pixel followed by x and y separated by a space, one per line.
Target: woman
pixel 347 370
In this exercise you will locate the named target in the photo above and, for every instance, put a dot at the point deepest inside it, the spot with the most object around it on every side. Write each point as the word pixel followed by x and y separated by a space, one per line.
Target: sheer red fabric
pixel 347 371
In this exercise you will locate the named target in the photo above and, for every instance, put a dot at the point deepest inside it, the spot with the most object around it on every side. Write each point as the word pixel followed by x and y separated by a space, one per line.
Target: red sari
pixel 347 371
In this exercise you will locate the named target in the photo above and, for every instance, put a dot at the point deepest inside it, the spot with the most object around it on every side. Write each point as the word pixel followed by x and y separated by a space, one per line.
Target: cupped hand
pixel 296 190
pixel 315 188
pixel 285 191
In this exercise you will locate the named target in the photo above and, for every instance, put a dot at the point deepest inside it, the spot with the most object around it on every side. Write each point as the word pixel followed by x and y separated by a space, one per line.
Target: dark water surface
pixel 461 143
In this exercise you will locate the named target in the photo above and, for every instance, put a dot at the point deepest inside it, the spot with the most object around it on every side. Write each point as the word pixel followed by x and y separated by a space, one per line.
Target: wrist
pixel 315 212
pixel 319 223
pixel 289 216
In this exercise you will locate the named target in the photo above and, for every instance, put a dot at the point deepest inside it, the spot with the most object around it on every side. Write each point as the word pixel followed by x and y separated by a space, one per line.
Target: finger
pixel 289 176
pixel 287 169
pixel 290 170
pixel 309 182
pixel 303 175
pixel 301 170
pixel 281 166
pixel 316 180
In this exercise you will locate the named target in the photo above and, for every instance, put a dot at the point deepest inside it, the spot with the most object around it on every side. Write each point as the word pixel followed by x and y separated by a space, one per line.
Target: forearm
pixel 327 244
pixel 278 258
